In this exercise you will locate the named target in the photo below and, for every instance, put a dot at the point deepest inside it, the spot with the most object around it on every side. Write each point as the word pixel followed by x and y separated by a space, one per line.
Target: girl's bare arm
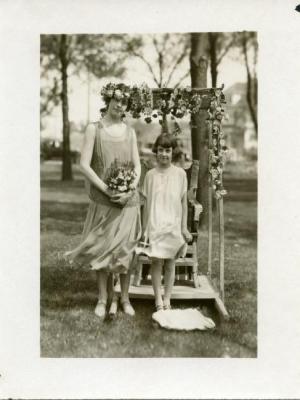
pixel 186 234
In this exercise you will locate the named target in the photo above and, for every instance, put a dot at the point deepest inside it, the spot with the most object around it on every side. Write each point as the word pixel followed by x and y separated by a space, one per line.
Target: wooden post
pixel 221 246
pixel 209 204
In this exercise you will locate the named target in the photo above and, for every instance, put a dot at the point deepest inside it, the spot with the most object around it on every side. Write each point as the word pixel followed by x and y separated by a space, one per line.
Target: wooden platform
pixel 187 292
pixel 185 261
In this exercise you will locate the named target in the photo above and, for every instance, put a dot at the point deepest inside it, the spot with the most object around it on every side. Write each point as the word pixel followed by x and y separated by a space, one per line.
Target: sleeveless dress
pixel 111 232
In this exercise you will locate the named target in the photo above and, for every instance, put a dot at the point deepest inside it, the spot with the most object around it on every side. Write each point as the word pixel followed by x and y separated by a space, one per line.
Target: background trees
pixel 219 43
pixel 165 56
pixel 249 48
pixel 170 60
pixel 64 55
pixel 198 70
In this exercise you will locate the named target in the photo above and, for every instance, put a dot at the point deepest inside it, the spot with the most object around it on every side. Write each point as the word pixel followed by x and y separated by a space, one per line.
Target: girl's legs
pixel 156 268
pixel 102 277
pixel 102 293
pixel 169 277
pixel 112 296
pixel 124 283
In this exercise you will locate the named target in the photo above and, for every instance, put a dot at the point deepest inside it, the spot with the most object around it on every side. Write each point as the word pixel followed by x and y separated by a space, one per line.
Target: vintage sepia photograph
pixel 150 218
pixel 148 175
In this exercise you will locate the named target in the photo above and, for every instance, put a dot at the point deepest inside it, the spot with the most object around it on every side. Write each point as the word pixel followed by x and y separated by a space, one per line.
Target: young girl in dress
pixel 165 218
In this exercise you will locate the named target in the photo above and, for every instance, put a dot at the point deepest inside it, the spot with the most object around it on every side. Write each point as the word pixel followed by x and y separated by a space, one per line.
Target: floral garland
pixel 178 103
pixel 141 100
pixel 218 149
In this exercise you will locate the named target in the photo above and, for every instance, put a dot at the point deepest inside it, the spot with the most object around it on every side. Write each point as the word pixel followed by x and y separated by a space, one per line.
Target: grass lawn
pixel 69 327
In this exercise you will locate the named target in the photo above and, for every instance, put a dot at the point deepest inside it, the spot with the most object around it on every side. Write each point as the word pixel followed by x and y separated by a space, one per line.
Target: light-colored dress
pixel 111 232
pixel 164 191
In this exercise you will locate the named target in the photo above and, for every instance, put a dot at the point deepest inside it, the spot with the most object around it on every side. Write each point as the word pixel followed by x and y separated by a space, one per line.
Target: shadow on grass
pixel 65 288
pixel 69 327
pixel 63 211
pixel 57 184
pixel 68 298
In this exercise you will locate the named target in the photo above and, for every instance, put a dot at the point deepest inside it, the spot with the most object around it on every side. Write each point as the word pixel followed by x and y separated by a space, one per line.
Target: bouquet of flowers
pixel 120 176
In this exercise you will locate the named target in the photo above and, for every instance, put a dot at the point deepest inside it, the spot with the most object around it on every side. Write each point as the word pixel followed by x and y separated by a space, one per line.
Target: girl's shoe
pixel 127 308
pixel 167 307
pixel 100 309
pixel 159 307
pixel 113 309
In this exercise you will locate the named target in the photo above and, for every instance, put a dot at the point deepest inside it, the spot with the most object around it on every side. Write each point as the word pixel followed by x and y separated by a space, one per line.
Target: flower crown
pixel 118 91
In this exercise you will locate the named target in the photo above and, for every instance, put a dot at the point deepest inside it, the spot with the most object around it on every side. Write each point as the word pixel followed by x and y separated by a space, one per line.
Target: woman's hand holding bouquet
pixel 120 182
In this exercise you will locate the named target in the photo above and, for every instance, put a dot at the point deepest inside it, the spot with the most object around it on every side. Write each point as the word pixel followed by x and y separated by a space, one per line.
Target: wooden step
pixel 205 291
pixel 189 262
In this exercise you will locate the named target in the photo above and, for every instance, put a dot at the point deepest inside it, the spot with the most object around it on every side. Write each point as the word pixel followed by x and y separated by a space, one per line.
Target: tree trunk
pixel 199 64
pixel 250 101
pixel 66 156
pixel 164 127
pixel 212 38
pixel 251 87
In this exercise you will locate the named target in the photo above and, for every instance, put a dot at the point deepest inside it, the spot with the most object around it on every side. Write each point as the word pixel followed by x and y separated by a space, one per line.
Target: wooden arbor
pixel 158 103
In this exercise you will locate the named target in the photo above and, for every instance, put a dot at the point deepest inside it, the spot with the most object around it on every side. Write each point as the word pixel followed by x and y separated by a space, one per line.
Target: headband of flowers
pixel 118 91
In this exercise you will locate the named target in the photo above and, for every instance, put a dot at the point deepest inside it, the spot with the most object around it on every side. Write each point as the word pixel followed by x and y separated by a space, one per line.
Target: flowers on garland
pixel 141 102
pixel 154 103
pixel 158 103
pixel 184 101
pixel 217 150
pixel 177 104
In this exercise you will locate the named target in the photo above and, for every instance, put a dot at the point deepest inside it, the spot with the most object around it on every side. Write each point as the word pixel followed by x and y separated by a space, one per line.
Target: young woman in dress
pixel 112 227
pixel 165 217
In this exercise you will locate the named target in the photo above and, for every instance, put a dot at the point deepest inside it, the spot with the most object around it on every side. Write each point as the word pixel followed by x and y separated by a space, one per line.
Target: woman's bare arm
pixel 86 157
pixel 136 159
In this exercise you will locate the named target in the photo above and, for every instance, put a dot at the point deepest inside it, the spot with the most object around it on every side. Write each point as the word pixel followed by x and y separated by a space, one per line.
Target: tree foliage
pixel 219 43
pixel 249 49
pixel 64 55
pixel 101 55
pixel 163 55
pixel 246 42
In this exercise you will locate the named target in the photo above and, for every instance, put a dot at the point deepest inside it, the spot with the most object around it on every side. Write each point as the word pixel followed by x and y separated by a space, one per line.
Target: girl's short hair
pixel 177 154
pixel 166 141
